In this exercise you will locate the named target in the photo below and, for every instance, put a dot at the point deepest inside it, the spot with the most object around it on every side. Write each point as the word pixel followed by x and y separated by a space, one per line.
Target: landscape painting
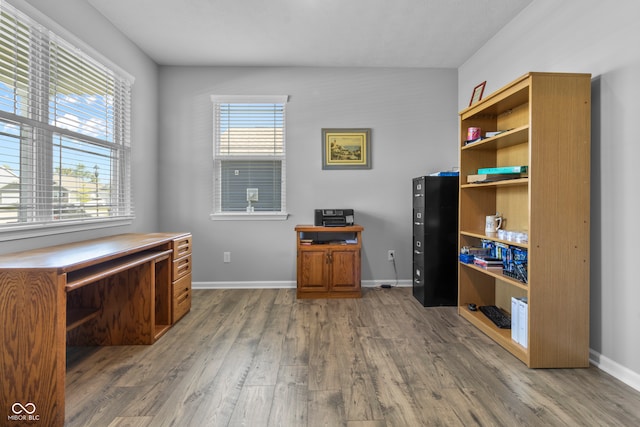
pixel 346 148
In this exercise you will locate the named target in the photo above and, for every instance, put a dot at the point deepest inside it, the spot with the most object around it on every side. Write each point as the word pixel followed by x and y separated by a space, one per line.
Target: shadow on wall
pixel 596 217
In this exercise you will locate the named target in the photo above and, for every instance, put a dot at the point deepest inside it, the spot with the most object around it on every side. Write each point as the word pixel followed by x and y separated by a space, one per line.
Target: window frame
pixel 120 146
pixel 217 214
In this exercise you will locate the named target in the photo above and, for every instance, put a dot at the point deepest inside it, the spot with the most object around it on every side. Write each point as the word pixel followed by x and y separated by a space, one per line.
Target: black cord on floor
pixel 395 270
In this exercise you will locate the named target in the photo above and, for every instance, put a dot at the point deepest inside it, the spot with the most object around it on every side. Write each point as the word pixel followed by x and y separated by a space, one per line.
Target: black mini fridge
pixel 435 240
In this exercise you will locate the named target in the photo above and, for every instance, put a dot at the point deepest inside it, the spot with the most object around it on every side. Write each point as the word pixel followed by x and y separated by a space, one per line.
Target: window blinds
pixel 249 154
pixel 64 129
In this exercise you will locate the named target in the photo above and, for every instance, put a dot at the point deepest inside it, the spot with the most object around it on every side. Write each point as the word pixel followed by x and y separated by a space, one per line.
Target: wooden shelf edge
pixel 322 229
pixel 501 183
pixel 519 135
pixel 78 316
pixel 481 235
pixel 88 275
pixel 510 94
pixel 500 276
pixel 500 336
pixel 343 246
pixel 160 330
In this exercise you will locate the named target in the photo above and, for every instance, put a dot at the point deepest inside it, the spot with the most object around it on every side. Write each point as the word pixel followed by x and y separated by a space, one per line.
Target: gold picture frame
pixel 346 148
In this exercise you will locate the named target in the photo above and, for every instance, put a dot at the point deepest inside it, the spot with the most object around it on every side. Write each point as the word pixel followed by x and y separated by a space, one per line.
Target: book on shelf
pixel 492 177
pixel 503 169
pixel 488 262
pixel 496 133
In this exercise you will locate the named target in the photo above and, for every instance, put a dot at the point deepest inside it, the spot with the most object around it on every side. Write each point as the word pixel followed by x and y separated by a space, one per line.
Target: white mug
pixel 492 224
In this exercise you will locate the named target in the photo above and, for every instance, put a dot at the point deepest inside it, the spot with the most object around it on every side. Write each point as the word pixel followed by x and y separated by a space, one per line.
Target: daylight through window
pixel 249 156
pixel 64 130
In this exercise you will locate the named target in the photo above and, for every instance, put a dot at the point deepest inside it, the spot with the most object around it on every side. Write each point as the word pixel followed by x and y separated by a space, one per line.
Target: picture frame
pixel 346 148
pixel 477 93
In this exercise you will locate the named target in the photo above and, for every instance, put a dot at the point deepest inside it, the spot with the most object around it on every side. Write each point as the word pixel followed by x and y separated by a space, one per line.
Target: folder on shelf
pixel 503 169
pixel 515 329
pixel 491 177
pixel 523 317
pixel 519 320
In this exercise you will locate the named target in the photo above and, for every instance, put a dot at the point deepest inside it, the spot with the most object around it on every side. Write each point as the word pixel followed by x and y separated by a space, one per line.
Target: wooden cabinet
pixel 181 277
pixel 546 122
pixel 328 264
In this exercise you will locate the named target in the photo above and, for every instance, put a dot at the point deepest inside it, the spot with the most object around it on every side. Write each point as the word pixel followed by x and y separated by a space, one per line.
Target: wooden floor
pixel 263 358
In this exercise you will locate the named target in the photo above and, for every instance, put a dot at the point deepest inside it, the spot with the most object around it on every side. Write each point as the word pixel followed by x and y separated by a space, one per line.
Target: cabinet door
pixel 313 267
pixel 345 271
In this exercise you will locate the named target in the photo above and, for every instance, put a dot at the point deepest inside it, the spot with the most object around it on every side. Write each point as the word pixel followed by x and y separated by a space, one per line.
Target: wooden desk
pixel 118 290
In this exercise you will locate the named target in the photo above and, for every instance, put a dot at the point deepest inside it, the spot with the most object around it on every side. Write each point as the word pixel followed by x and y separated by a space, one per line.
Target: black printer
pixel 334 217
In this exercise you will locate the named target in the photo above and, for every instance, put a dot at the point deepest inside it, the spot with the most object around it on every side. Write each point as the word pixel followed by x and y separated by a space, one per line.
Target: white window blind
pixel 64 130
pixel 249 155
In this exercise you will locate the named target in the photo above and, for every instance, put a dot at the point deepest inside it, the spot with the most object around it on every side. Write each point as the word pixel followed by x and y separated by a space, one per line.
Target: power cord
pixel 395 270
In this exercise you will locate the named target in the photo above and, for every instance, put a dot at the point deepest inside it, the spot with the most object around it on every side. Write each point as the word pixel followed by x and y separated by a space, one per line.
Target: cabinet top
pixel 321 229
pixel 72 256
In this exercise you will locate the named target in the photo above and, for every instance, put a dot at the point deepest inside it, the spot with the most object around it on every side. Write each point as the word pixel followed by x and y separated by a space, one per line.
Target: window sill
pixel 249 216
pixel 26 231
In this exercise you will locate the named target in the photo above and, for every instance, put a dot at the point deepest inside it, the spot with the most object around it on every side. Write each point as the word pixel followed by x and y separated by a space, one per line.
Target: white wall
pixel 99 34
pixel 413 118
pixel 601 38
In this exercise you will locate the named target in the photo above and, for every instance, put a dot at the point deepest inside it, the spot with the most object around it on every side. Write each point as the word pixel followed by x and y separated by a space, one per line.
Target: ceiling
pixel 340 33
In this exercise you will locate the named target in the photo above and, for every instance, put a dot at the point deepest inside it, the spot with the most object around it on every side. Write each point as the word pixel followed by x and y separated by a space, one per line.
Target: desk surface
pixel 73 256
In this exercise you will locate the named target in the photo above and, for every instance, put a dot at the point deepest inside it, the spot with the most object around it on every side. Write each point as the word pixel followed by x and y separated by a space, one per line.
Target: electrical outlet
pixel 391 255
pixel 227 257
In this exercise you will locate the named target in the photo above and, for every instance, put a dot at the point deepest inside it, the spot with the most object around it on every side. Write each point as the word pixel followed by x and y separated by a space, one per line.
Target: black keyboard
pixel 497 316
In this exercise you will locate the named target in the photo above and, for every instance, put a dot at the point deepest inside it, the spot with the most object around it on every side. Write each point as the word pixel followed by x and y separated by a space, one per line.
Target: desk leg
pixel 32 360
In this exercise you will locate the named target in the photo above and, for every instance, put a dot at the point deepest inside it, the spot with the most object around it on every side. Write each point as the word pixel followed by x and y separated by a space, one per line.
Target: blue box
pixel 467 258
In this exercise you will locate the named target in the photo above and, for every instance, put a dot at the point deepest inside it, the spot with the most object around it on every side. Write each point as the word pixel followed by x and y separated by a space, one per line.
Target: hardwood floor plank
pixel 358 391
pixel 253 406
pixel 289 407
pixel 266 363
pixel 394 396
pixel 131 422
pixel 295 348
pixel 323 360
pixel 325 409
pixel 261 357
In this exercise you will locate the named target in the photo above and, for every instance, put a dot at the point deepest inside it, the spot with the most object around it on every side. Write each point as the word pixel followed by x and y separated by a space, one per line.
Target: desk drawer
pixel 181 267
pixel 181 297
pixel 182 247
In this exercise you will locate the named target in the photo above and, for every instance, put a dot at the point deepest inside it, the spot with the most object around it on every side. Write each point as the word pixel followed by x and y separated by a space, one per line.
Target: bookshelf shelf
pixel 497 275
pixel 481 235
pixel 507 139
pixel 505 182
pixel 547 118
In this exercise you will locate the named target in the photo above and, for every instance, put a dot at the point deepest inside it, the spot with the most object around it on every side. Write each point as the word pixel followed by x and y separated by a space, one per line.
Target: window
pixel 249 157
pixel 64 131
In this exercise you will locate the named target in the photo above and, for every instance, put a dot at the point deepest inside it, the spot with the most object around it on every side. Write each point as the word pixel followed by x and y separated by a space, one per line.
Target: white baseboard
pixel 626 375
pixel 286 284
pixel 244 285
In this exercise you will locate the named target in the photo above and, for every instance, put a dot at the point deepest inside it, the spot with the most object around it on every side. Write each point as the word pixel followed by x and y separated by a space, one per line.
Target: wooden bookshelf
pixel 546 117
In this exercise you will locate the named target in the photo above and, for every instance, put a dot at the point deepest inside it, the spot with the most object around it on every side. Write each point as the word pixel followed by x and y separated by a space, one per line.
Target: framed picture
pixel 346 148
pixel 477 93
